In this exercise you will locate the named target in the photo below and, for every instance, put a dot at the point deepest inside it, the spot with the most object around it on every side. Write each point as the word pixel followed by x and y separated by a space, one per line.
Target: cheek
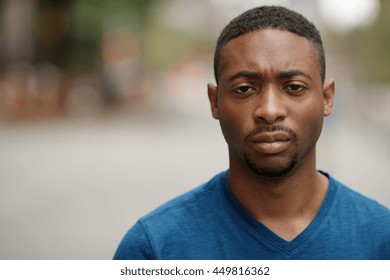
pixel 311 124
pixel 229 128
pixel 233 122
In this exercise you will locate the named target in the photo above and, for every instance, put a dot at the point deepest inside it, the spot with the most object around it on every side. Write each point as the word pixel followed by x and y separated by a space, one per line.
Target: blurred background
pixel 104 112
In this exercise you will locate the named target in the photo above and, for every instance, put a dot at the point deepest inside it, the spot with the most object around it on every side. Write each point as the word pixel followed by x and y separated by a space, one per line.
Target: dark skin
pixel 270 102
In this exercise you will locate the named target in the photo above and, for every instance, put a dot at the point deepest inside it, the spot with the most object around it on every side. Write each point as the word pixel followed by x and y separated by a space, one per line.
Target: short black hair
pixel 269 17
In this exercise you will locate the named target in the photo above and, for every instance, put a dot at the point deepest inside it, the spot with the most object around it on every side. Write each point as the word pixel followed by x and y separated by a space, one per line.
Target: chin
pixel 272 171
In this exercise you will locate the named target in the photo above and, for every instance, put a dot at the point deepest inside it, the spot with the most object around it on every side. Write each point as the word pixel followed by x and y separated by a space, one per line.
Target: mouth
pixel 271 142
pixel 270 148
pixel 277 136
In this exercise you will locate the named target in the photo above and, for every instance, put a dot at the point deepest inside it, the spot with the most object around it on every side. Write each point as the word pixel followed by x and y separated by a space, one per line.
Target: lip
pixel 271 148
pixel 271 142
pixel 269 137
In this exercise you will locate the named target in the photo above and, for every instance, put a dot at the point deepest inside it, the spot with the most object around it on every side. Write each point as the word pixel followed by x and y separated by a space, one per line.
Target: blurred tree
pixel 68 32
pixel 171 37
pixel 369 47
pixel 52 31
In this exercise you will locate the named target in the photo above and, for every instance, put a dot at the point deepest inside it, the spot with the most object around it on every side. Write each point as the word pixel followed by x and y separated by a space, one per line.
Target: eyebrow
pixel 245 74
pixel 292 73
pixel 283 75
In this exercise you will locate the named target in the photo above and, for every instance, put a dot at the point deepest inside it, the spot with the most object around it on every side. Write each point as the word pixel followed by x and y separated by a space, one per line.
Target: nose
pixel 270 107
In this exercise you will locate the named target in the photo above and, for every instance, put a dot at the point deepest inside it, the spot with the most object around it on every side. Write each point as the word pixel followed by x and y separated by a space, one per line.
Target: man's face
pixel 270 101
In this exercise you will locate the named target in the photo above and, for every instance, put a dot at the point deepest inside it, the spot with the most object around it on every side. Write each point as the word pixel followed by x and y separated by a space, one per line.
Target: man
pixel 270 99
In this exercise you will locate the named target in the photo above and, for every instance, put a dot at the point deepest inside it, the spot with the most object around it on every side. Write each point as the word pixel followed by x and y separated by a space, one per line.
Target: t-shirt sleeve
pixel 135 245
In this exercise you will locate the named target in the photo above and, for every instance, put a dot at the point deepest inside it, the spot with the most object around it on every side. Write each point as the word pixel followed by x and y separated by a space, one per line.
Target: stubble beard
pixel 263 169
pixel 268 171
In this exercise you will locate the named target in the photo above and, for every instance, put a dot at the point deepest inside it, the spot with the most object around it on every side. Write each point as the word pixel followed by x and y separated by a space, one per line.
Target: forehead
pixel 269 49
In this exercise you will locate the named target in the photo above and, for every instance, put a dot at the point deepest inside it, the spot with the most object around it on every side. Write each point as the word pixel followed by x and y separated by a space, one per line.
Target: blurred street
pixel 71 188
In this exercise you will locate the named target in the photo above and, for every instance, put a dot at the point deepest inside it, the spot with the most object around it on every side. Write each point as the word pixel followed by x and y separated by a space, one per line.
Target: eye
pixel 244 89
pixel 294 88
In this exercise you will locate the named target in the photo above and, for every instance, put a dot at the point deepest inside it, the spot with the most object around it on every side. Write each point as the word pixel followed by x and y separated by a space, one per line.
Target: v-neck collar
pixel 265 235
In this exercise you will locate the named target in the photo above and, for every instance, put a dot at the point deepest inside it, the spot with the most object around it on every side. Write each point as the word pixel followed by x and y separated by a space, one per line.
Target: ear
pixel 212 92
pixel 328 90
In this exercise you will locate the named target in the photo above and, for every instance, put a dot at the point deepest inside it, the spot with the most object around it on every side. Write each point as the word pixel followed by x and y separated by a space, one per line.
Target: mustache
pixel 271 128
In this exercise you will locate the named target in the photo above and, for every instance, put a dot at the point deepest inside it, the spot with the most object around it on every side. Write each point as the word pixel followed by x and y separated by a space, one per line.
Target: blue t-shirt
pixel 209 223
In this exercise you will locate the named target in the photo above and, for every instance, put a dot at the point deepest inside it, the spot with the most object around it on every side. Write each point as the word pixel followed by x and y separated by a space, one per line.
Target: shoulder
pixel 135 245
pixel 354 201
pixel 361 222
pixel 173 223
pixel 203 195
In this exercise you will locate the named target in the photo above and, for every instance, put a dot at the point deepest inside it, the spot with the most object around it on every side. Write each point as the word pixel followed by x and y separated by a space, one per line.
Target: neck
pixel 297 196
